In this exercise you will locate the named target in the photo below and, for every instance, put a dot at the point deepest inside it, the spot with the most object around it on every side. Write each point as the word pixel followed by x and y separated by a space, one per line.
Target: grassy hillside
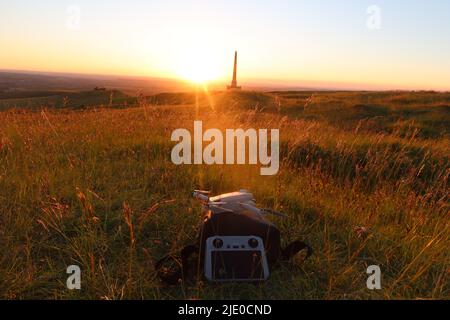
pixel 65 99
pixel 97 188
pixel 23 82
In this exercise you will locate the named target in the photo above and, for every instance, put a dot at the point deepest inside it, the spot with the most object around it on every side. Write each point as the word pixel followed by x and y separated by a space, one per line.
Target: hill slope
pixel 359 180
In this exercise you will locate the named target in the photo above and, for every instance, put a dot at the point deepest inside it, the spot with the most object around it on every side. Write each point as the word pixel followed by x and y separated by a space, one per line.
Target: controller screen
pixel 228 265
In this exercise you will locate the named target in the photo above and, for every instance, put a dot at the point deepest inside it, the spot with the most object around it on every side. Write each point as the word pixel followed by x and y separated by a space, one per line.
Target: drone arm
pixel 200 196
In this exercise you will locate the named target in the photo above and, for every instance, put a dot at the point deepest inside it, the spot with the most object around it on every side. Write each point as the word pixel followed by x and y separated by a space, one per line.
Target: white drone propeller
pixel 204 197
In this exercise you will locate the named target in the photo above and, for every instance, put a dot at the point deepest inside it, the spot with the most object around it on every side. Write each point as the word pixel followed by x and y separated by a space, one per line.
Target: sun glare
pixel 198 66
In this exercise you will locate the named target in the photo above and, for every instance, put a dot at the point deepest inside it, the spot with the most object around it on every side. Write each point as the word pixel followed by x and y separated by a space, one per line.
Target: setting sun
pixel 198 66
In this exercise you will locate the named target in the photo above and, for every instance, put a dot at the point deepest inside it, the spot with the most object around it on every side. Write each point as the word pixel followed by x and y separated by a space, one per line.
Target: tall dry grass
pixel 97 188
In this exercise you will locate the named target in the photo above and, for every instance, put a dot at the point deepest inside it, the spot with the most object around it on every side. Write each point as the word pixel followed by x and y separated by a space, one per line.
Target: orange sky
pixel 288 42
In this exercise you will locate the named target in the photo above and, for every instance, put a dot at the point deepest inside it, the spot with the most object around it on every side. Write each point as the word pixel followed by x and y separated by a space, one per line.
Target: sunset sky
pixel 294 42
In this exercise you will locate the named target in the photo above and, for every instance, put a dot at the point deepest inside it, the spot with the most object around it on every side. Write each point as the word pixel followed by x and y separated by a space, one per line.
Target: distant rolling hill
pixel 21 82
pixel 21 89
pixel 62 99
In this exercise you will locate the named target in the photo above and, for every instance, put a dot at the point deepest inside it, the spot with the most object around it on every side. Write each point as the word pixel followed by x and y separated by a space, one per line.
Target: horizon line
pixel 273 84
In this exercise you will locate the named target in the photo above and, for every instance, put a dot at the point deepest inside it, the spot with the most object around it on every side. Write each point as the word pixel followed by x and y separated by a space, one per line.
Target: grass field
pixel 64 99
pixel 97 188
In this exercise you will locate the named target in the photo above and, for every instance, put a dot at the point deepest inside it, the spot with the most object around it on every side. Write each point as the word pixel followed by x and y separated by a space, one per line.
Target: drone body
pixel 236 242
pixel 233 202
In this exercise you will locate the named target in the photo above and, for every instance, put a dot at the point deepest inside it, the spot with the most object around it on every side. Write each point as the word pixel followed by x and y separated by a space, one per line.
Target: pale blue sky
pixel 298 41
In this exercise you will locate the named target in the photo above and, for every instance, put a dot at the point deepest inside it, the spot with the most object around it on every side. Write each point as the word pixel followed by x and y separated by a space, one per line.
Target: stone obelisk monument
pixel 234 85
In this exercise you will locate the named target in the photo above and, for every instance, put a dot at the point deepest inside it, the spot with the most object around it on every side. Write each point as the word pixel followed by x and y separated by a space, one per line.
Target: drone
pixel 232 202
pixel 236 241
